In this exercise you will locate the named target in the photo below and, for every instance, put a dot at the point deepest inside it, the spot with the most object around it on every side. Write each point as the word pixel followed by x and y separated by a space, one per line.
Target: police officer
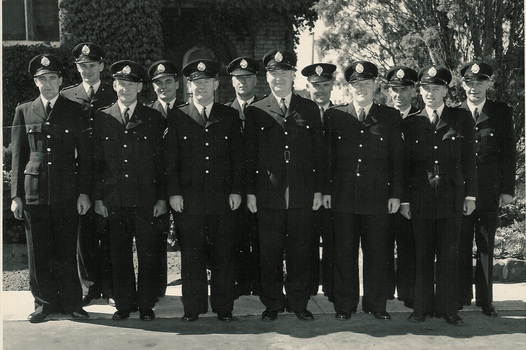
pixel 495 154
pixel 92 94
pixel 243 71
pixel 401 81
pixel 320 83
pixel 441 188
pixel 365 173
pixel 163 75
pixel 283 138
pixel 50 184
pixel 129 188
pixel 204 176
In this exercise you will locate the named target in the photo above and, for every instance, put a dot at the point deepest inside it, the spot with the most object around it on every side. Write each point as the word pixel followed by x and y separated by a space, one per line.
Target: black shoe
pixel 489 310
pixel 80 314
pixel 382 315
pixel 225 317
pixel 37 317
pixel 146 314
pixel 416 319
pixel 189 318
pixel 123 314
pixel 270 315
pixel 343 316
pixel 304 315
pixel 454 319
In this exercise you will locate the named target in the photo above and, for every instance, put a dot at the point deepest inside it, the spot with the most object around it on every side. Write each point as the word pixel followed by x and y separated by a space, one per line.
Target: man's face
pixel 476 90
pixel 362 91
pixel 244 85
pixel 433 95
pixel 202 90
pixel 90 71
pixel 127 90
pixel 165 87
pixel 401 96
pixel 280 81
pixel 48 84
pixel 320 92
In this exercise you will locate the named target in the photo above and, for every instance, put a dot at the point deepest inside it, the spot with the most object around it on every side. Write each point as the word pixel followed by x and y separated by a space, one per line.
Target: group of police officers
pixel 257 182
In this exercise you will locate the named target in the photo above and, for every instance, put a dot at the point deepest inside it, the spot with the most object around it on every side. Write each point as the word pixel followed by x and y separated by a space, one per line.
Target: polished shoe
pixel 454 320
pixel 489 310
pixel 111 302
pixel 80 314
pixel 189 318
pixel 122 314
pixel 37 317
pixel 304 315
pixel 416 319
pixel 225 317
pixel 382 315
pixel 270 315
pixel 343 316
pixel 146 314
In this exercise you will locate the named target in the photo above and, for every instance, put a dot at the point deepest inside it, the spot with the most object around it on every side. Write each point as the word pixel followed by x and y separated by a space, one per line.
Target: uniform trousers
pixel 124 225
pixel 436 237
pixel 372 230
pixel 323 227
pixel 482 225
pixel 163 228
pixel 51 233
pixel 204 238
pixel 286 232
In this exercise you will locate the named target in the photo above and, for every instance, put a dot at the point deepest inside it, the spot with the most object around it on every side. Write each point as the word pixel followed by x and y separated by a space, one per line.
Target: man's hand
pixel 392 205
pixel 83 204
pixel 177 203
pixel 251 203
pixel 405 210
pixel 505 199
pixel 469 206
pixel 234 200
pixel 317 202
pixel 17 207
pixel 159 208
pixel 101 209
pixel 326 201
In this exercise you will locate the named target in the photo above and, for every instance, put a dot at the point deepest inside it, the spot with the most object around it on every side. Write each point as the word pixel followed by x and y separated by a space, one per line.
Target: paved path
pixel 363 331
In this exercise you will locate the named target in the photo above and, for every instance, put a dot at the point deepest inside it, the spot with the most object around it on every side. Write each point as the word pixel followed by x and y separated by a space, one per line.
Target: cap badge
pixel 400 73
pixel 126 70
pixel 45 61
pixel 432 72
pixel 278 57
pixel 161 68
pixel 85 50
pixel 359 68
pixel 201 67
pixel 475 68
pixel 319 70
pixel 243 64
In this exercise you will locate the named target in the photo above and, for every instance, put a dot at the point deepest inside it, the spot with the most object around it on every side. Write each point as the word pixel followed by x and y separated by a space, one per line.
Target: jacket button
pixel 359 160
pixel 125 131
pixel 206 143
pixel 357 174
pixel 206 171
pixel 360 145
pixel 435 147
pixel 66 131
pixel 48 136
pixel 125 175
pixel 126 161
pixel 125 146
pixel 207 157
pixel 49 149
pixel 48 163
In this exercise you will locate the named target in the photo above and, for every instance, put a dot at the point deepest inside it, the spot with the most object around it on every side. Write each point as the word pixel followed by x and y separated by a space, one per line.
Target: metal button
pixel 476 141
pixel 206 171
pixel 49 149
pixel 361 131
pixel 125 146
pixel 357 174
pixel 66 131
pixel 206 143
pixel 207 158
pixel 453 138
pixel 48 163
pixel 47 123
pixel 48 136
pixel 435 147
pixel 490 134
pixel 125 175
pixel 206 130
pixel 184 137
pixel 286 146
pixel 126 161
pixel 360 145
pixel 381 138
pixel 126 131
pixel 286 133
pixel 436 161
pixel 359 160
pixel 339 137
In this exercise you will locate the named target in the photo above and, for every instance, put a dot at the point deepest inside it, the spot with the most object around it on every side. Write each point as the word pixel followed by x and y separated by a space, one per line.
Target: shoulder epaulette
pixel 414 113
pixel 70 87
pixel 339 105
pixel 183 104
pixel 26 101
pixel 259 98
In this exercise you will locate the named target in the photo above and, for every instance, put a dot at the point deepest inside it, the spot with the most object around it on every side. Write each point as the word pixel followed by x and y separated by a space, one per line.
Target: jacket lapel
pixel 195 115
pixel 136 117
pixel 444 118
pixel 423 118
pixel 38 108
pixel 370 117
pixel 275 111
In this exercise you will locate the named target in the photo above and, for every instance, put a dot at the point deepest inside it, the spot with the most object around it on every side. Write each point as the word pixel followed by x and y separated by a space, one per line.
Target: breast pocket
pixel 111 147
pixel 487 142
pixel 342 145
pixel 454 144
pixel 380 144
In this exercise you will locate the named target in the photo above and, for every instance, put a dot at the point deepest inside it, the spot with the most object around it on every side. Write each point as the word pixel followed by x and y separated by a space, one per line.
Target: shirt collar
pixel 44 101
pixel 95 87
pixel 123 107
pixel 208 108
pixel 366 109
pixel 472 106
pixel 325 106
pixel 172 103
pixel 405 112
pixel 287 99
pixel 249 101
pixel 430 111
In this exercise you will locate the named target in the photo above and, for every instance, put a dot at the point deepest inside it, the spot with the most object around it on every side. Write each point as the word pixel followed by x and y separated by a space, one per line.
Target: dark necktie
pixel 203 114
pixel 476 114
pixel 126 116
pixel 167 107
pixel 436 118
pixel 91 92
pixel 361 115
pixel 322 112
pixel 244 110
pixel 48 109
pixel 283 107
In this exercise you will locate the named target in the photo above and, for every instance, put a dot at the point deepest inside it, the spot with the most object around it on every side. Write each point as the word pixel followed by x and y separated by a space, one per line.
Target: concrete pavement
pixel 247 331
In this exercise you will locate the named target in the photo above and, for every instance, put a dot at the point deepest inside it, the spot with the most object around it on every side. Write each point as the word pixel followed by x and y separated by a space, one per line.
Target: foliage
pixel 510 241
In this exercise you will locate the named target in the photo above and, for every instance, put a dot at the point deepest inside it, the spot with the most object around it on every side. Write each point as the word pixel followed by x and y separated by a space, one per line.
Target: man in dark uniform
pixel 320 83
pixel 243 71
pixel 441 186
pixel 204 178
pixel 163 75
pixel 365 173
pixel 94 247
pixel 50 184
pixel 284 147
pixel 495 153
pixel 401 82
pixel 129 188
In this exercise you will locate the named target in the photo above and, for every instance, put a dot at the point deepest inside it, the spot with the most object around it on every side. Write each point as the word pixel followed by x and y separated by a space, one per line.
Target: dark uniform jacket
pixel 284 152
pixel 104 96
pixel 441 163
pixel 49 163
pixel 495 153
pixel 365 167
pixel 158 106
pixel 128 161
pixel 204 159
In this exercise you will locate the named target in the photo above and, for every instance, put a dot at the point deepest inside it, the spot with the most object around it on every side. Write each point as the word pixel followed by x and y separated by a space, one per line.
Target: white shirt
pixel 123 107
pixel 163 104
pixel 249 101
pixel 95 87
pixel 208 108
pixel 472 106
pixel 405 112
pixel 44 101
pixel 366 109
pixel 287 99
pixel 439 110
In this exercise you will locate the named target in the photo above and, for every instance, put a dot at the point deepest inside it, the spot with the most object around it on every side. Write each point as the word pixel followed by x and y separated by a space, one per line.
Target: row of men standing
pixel 284 184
